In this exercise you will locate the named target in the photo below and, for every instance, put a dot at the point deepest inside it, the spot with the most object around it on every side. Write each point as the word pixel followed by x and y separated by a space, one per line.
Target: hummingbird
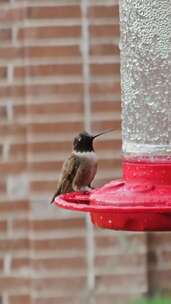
pixel 80 168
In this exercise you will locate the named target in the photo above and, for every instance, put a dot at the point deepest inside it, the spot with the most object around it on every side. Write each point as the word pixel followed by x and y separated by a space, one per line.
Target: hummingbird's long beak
pixel 101 133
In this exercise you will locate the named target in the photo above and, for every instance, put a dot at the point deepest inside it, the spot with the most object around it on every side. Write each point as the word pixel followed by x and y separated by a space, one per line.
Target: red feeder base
pixel 139 202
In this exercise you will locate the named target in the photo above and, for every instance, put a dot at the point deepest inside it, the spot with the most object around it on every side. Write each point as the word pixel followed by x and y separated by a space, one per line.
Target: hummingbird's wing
pixel 68 173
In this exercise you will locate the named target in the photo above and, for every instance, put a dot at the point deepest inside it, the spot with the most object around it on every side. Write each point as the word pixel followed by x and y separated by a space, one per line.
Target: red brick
pixel 58 299
pixel 106 242
pixel 1 264
pixel 23 224
pixel 20 263
pixel 53 51
pixel 48 70
pixel 44 166
pixel 18 150
pixel 14 244
pixel 50 186
pixel 104 30
pixel 36 148
pixel 3 72
pixel 2 186
pixel 113 144
pixel 165 256
pixel 105 69
pixel 126 280
pixel 106 88
pixel 46 225
pixel 106 124
pixel 159 239
pixel 120 298
pixel 1 154
pixel 62 108
pixel 48 109
pixel 5 91
pixel 106 106
pixel 113 241
pixel 49 32
pixel 59 264
pixel 5 35
pixel 49 147
pixel 20 110
pixel 12 15
pixel 13 130
pixel 35 89
pixel 60 11
pixel 120 261
pixel 104 49
pixel 161 278
pixel 52 128
pixel 74 88
pixel 42 186
pixel 103 11
pixel 3 113
pixel 58 244
pixel 60 224
pixel 11 53
pixel 12 283
pixel 20 299
pixel 59 284
pixel 14 206
pixel 3 227
pixel 12 167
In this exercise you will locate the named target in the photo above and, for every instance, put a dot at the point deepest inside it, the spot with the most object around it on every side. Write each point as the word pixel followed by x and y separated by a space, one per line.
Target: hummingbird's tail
pixel 53 198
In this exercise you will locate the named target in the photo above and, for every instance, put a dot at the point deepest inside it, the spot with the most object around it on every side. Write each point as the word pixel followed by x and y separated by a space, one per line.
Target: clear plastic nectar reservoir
pixel 146 78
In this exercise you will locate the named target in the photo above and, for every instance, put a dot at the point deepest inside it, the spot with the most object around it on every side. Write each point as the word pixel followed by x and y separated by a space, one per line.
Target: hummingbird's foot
pixel 82 189
pixel 85 189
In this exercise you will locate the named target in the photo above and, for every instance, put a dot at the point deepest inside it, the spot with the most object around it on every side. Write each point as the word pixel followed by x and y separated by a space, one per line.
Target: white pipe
pixel 85 48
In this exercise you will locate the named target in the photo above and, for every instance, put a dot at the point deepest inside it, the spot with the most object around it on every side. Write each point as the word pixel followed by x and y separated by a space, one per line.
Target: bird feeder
pixel 141 200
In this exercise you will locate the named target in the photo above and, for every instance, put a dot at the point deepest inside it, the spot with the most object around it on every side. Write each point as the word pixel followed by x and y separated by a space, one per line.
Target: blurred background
pixel 59 74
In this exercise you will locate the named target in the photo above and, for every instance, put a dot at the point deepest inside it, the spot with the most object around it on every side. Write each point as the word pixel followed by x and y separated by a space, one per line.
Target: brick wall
pixel 59 73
